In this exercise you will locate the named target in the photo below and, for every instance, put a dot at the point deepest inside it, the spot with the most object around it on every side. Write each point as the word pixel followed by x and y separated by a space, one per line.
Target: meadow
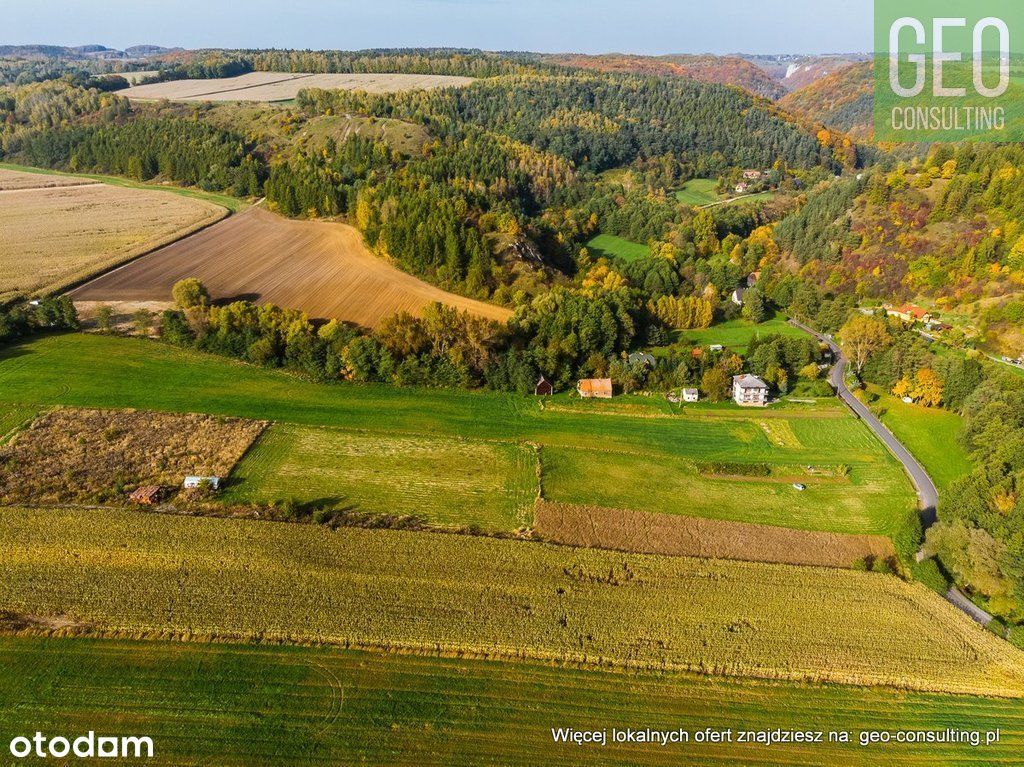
pixel 447 482
pixel 171 576
pixel 285 86
pixel 53 237
pixel 243 705
pixel 698 191
pixel 611 247
pixel 321 268
pixel 735 334
pixel 635 438
pixel 930 434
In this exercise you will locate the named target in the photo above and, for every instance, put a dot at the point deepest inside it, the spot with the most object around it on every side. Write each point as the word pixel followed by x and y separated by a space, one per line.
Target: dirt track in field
pixel 322 268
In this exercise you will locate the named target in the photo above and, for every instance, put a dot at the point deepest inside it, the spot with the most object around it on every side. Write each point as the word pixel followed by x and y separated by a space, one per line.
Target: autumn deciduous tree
pixel 927 388
pixel 716 384
pixel 861 337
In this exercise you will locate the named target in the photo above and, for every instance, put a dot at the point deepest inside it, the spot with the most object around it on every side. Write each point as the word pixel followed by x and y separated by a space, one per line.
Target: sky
pixel 555 26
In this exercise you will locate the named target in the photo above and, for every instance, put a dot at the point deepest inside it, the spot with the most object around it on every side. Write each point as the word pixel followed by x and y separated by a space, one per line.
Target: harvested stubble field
pixel 675 535
pixel 17 181
pixel 51 238
pixel 87 455
pixel 451 594
pixel 254 705
pixel 321 268
pixel 443 481
pixel 284 86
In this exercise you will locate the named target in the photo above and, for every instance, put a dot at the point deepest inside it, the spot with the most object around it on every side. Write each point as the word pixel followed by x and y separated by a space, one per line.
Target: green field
pixel 163 575
pixel 252 705
pixel 698 191
pixel 233 204
pixel 448 482
pixel 612 247
pixel 736 334
pixel 98 371
pixel 930 434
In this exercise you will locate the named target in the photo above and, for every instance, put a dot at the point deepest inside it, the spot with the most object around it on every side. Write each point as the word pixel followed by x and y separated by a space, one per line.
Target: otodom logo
pixel 949 70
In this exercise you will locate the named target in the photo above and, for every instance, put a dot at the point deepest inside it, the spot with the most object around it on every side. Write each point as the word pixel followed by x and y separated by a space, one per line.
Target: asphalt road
pixel 927 493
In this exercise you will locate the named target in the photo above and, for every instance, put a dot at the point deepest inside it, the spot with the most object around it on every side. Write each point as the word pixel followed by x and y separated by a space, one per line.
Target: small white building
pixel 691 395
pixel 191 483
pixel 716 348
pixel 749 391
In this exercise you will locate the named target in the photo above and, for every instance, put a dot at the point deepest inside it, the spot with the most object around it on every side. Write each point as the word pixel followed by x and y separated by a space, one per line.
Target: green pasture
pixel 636 438
pixel 249 704
pixel 930 434
pixel 610 246
pixel 698 191
pixel 735 334
pixel 451 482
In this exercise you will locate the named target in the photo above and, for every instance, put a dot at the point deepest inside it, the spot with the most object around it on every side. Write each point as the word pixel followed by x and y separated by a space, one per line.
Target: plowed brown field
pixel 321 268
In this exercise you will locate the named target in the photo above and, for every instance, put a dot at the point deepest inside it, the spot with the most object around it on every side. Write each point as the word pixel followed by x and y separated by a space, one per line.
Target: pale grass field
pixel 16 181
pixel 449 594
pixel 284 86
pixel 51 238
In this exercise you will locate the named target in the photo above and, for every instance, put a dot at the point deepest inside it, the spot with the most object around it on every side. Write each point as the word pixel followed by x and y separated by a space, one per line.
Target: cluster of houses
pixel 750 176
pixel 747 390
pixel 912 314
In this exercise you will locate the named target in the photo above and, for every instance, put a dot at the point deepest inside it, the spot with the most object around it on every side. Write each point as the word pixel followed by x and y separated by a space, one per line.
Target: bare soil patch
pixel 74 455
pixel 321 268
pixel 284 86
pixel 674 535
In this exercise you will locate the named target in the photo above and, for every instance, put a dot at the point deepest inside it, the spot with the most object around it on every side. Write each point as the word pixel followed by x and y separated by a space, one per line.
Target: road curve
pixel 927 493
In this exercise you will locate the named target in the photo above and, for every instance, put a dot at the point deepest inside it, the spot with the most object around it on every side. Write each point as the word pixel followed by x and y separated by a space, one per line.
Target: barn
pixel 595 388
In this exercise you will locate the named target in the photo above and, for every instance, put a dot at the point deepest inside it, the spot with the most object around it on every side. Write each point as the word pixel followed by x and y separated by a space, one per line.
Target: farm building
pixel 742 187
pixel 691 395
pixel 191 483
pixel 737 296
pixel 544 388
pixel 716 348
pixel 910 313
pixel 749 391
pixel 595 388
pixel 147 495
pixel 752 175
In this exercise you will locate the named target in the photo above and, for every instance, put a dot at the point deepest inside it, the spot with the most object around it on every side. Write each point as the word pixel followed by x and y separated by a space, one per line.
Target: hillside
pixel 723 70
pixel 796 71
pixel 840 100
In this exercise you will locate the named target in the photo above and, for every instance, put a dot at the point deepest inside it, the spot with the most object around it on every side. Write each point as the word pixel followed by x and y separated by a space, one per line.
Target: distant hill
pixel 840 100
pixel 82 51
pixel 795 71
pixel 724 70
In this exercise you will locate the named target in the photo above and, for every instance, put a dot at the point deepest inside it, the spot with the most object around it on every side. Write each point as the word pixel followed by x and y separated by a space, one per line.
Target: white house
pixel 749 391
pixel 691 395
